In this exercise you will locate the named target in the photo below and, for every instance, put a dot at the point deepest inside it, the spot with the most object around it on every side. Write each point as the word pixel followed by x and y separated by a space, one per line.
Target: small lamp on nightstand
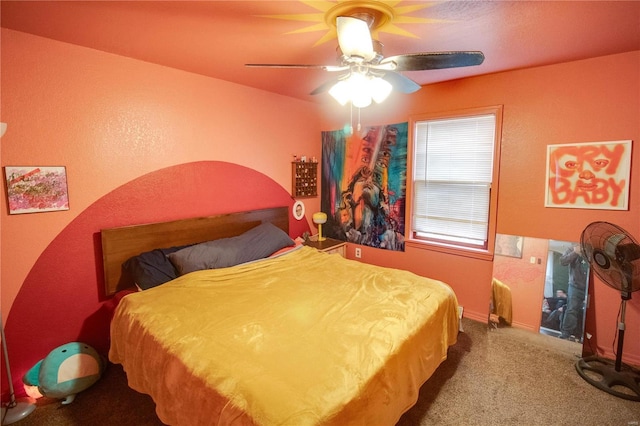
pixel 319 218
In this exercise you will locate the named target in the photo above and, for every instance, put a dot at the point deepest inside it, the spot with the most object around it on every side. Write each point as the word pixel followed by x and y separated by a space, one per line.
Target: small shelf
pixel 304 179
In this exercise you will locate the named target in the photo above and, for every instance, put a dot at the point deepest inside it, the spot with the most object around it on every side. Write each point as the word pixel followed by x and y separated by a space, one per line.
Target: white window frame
pixel 456 247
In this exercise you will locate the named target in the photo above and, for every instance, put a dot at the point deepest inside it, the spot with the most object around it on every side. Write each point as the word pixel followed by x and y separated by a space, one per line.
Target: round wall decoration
pixel 298 210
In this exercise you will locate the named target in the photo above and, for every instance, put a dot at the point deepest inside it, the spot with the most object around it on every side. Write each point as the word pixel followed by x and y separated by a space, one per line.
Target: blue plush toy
pixel 67 370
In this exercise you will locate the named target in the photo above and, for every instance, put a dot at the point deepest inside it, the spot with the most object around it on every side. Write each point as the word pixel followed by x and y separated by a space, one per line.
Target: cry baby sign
pixel 592 175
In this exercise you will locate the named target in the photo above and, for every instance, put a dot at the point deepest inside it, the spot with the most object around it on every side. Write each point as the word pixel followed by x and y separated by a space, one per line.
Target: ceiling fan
pixel 365 73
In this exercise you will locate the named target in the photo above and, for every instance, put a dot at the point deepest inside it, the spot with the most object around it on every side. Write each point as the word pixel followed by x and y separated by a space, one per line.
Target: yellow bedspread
pixel 302 339
pixel 501 300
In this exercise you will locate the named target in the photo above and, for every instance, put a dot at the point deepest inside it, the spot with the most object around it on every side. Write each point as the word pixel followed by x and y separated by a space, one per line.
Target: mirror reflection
pixel 565 291
pixel 539 285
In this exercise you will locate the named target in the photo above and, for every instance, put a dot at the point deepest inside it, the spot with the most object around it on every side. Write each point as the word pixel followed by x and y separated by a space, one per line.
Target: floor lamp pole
pixel 16 410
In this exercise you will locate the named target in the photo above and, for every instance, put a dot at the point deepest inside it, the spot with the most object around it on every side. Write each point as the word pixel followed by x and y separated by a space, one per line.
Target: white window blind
pixel 452 176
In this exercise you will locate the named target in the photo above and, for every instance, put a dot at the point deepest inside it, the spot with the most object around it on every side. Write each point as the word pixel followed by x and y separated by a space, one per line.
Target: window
pixel 453 178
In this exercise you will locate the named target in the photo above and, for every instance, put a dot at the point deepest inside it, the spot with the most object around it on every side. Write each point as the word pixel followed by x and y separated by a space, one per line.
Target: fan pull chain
pixel 350 118
pixel 359 126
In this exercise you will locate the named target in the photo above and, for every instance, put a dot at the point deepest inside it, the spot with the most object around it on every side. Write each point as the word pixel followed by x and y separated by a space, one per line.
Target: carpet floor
pixel 502 376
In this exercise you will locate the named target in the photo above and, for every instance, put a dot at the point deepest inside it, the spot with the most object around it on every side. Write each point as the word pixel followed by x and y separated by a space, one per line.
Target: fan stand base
pixel 17 411
pixel 601 373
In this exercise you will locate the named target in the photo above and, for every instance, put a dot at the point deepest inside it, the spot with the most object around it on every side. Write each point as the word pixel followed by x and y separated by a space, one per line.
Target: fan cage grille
pixel 613 254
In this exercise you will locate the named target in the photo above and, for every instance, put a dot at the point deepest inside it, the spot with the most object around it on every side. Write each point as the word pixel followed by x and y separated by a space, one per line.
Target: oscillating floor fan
pixel 614 257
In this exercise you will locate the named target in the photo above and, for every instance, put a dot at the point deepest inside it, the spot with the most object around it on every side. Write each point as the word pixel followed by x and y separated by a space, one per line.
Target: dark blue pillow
pixel 152 268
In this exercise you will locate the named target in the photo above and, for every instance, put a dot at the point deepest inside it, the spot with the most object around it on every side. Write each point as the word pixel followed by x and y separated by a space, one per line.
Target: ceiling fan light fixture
pixel 354 38
pixel 340 92
pixel 361 99
pixel 380 89
pixel 360 89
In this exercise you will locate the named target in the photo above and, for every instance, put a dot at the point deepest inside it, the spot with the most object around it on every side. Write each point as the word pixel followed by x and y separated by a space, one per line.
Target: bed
pixel 299 337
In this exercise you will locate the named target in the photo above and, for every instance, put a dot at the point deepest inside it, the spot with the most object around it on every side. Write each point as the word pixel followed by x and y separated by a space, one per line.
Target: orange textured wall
pixel 583 101
pixel 110 119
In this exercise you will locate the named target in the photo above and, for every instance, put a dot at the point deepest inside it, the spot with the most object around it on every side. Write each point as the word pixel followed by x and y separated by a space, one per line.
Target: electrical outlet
pixel 358 252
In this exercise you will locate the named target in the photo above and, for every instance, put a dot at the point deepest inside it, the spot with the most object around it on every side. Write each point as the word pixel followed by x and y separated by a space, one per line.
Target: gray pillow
pixel 257 243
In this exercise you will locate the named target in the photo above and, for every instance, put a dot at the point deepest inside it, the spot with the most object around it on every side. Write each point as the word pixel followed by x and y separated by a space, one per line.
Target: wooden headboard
pixel 120 244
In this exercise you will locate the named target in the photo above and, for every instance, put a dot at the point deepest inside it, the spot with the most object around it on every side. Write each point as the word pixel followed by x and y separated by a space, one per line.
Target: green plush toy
pixel 66 371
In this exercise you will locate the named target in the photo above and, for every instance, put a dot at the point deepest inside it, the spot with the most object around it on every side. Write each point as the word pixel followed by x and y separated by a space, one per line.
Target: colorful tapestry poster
pixel 364 185
pixel 593 175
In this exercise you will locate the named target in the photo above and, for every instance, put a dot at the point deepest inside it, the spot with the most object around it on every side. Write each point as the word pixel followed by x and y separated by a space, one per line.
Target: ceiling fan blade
pixel 304 66
pixel 354 38
pixel 400 82
pixel 434 60
pixel 325 87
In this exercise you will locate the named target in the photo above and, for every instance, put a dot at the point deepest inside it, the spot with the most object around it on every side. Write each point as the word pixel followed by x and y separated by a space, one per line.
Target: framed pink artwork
pixel 593 175
pixel 32 189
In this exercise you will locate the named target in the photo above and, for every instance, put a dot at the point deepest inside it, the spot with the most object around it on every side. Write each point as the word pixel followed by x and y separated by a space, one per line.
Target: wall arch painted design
pixel 62 298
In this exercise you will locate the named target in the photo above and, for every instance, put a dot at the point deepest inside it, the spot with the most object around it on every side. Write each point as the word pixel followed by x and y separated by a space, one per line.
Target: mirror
pixel 565 291
pixel 532 279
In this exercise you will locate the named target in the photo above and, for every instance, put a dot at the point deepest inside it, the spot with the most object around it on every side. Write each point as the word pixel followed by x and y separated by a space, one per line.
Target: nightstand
pixel 329 245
